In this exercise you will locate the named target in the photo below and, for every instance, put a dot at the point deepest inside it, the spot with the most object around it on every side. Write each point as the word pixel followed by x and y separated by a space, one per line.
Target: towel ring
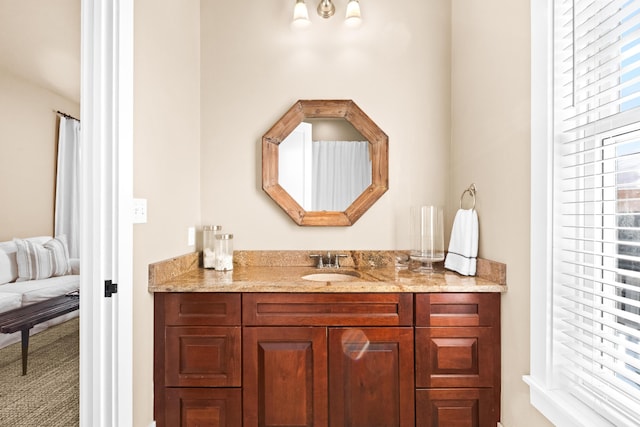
pixel 472 192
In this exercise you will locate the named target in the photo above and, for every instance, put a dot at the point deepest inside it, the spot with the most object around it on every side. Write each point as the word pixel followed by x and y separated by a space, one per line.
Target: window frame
pixel 561 408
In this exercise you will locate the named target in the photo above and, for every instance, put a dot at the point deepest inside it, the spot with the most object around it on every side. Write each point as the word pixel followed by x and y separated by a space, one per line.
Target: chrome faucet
pixel 328 263
pixel 338 256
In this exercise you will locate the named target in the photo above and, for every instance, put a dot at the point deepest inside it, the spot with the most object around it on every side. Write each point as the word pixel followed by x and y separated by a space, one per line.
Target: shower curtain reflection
pixel 341 172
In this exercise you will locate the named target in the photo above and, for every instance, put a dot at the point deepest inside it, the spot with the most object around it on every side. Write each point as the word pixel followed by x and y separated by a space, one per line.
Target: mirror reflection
pixel 325 164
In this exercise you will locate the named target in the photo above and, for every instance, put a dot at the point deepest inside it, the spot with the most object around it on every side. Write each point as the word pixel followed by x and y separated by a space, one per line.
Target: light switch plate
pixel 139 211
pixel 191 236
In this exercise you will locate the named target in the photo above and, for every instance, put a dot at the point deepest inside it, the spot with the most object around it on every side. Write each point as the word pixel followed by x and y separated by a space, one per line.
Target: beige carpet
pixel 48 394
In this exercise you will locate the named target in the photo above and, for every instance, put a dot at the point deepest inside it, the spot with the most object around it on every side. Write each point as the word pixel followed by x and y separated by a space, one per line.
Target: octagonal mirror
pixel 325 162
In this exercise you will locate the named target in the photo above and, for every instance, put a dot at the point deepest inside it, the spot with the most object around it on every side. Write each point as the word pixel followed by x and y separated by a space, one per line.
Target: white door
pixel 106 234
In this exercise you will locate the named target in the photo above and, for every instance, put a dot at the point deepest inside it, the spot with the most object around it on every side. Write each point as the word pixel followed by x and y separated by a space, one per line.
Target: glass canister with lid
pixel 209 233
pixel 224 251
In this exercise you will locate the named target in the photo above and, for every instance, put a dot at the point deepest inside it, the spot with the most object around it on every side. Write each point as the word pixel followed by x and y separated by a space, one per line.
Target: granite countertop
pixel 282 271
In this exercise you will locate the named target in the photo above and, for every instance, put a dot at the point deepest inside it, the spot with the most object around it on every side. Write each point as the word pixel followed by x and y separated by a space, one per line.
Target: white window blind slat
pixel 604 294
pixel 596 383
pixel 571 253
pixel 596 279
pixel 589 318
pixel 608 351
pixel 604 269
pixel 601 330
pixel 607 377
pixel 583 239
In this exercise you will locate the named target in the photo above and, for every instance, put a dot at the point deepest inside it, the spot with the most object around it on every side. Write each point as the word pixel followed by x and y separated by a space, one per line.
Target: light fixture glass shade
pixel 300 14
pixel 353 17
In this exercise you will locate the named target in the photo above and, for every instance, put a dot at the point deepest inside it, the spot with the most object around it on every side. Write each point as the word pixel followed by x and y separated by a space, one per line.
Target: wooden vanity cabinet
pixel 457 338
pixel 197 362
pixel 328 360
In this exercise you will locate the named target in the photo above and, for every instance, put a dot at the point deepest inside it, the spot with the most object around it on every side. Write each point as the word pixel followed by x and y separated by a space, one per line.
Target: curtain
pixel 341 172
pixel 67 205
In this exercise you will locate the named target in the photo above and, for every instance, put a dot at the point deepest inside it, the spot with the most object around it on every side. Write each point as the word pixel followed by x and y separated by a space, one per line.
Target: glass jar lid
pixel 224 236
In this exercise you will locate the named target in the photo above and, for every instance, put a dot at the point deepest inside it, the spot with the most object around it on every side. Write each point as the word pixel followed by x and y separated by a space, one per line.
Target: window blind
pixel 596 251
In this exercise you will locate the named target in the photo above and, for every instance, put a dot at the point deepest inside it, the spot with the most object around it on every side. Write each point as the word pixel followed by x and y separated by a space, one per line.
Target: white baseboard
pixel 500 424
pixel 153 424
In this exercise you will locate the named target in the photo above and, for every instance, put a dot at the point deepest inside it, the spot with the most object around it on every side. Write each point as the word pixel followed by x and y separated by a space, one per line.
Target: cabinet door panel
pixel 185 407
pixel 285 382
pixel 455 408
pixel 371 377
pixel 203 356
pixel 456 357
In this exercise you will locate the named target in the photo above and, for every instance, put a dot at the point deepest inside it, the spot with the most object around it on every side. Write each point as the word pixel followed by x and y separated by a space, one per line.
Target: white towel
pixel 463 246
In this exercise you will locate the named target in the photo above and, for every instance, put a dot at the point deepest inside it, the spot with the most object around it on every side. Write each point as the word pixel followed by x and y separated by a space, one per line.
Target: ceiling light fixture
pixel 353 17
pixel 326 9
pixel 300 14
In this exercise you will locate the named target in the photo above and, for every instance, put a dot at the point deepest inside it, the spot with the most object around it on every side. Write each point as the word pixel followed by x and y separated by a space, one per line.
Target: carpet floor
pixel 49 394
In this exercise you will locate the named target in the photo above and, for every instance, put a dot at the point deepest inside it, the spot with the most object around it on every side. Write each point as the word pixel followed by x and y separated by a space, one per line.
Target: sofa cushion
pixel 6 272
pixel 39 290
pixel 8 262
pixel 40 261
pixel 9 300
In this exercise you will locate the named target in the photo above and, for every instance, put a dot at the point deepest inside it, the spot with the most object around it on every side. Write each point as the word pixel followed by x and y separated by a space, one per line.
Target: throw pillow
pixel 36 261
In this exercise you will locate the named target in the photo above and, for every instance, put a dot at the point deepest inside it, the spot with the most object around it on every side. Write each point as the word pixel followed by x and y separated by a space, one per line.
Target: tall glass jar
pixel 224 252
pixel 209 233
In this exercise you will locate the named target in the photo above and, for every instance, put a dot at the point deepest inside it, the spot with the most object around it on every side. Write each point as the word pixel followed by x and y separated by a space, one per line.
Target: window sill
pixel 562 409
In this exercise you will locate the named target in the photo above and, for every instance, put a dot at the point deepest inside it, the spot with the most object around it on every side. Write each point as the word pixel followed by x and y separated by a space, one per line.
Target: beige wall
pixel 490 147
pixel 29 133
pixel 447 81
pixel 166 160
pixel 254 67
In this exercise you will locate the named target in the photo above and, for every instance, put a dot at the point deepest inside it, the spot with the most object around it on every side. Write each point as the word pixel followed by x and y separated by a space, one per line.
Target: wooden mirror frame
pixel 378 146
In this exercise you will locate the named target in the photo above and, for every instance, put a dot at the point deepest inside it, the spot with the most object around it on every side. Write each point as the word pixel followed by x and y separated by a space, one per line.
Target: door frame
pixel 106 249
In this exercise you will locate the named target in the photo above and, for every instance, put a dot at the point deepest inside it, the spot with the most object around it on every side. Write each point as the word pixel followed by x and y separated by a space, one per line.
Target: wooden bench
pixel 24 318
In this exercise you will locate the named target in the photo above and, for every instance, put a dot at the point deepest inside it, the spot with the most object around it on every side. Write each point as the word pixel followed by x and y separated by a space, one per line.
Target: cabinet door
pixel 455 408
pixel 202 356
pixel 285 376
pixel 188 407
pixel 371 377
pixel 456 357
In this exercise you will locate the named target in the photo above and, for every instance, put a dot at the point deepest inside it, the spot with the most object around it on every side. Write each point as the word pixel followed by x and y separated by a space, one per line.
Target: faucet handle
pixel 338 256
pixel 320 263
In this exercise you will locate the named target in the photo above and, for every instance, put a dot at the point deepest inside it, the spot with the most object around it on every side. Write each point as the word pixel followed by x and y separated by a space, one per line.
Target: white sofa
pixel 15 294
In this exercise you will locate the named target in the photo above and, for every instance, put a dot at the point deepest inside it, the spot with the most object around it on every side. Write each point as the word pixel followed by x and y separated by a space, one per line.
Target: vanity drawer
pixel 189 407
pixel 327 309
pixel 456 407
pixel 458 309
pixel 199 308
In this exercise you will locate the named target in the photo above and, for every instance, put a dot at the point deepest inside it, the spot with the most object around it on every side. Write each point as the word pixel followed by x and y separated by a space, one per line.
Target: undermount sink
pixel 332 277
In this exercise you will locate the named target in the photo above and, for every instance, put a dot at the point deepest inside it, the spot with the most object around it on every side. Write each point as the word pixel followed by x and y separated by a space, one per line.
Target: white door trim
pixel 106 103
